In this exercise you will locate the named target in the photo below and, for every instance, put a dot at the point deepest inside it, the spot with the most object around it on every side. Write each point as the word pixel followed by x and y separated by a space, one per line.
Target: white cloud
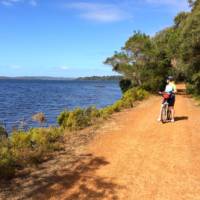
pixel 99 12
pixel 14 2
pixel 64 68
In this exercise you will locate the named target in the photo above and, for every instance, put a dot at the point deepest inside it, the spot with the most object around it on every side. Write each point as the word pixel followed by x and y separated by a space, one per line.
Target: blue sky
pixel 72 38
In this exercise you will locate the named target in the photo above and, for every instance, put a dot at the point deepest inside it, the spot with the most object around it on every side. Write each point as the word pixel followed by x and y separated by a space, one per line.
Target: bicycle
pixel 166 114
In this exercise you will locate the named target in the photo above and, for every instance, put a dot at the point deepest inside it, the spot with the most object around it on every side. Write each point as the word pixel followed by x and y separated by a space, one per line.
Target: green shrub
pixel 106 112
pixel 21 140
pixel 78 118
pixel 141 94
pixel 26 145
pixel 196 83
pixel 92 113
pixel 26 148
pixel 128 98
pixel 190 89
pixel 132 95
pixel 54 134
pixel 45 138
pixel 81 118
pixel 62 118
pixel 7 160
pixel 117 106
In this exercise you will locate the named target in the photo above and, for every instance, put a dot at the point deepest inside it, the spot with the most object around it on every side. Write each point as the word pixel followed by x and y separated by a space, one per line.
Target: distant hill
pixel 96 78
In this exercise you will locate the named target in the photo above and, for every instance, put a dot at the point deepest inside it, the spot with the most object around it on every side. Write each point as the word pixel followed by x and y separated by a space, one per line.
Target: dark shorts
pixel 172 100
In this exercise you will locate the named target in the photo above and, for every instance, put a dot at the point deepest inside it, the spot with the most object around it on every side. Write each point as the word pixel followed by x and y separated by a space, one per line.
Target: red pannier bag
pixel 166 95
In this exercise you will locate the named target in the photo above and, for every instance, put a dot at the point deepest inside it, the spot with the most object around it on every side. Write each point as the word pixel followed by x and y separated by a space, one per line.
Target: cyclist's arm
pixel 175 90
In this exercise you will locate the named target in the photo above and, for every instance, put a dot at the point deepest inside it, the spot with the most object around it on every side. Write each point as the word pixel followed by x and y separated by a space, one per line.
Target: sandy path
pixel 138 158
pixel 133 158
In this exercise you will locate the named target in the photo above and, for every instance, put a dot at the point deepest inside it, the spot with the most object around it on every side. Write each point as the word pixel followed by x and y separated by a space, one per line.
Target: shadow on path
pixel 77 182
pixel 181 118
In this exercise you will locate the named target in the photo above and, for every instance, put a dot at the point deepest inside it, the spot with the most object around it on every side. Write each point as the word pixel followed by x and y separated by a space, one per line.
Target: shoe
pixel 172 120
pixel 159 120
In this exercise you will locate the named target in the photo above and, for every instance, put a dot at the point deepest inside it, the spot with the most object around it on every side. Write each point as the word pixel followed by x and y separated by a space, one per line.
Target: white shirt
pixel 169 88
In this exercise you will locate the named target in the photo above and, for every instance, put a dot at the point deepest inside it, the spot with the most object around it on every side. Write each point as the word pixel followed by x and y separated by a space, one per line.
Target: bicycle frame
pixel 166 113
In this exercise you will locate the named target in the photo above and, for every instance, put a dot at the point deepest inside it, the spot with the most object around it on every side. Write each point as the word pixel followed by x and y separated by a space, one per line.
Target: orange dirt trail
pixel 137 158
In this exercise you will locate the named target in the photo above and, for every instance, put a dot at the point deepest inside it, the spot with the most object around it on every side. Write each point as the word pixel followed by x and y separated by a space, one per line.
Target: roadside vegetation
pixel 26 148
pixel 23 149
pixel 80 118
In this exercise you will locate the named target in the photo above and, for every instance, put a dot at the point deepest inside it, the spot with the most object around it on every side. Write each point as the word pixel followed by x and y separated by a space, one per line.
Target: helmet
pixel 170 78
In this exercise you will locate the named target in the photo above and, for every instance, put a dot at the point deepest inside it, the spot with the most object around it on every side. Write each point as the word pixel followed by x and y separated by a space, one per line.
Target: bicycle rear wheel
pixel 169 114
pixel 164 113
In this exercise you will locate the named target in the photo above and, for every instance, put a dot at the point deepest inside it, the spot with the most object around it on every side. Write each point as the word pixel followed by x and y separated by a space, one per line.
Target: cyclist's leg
pixel 171 107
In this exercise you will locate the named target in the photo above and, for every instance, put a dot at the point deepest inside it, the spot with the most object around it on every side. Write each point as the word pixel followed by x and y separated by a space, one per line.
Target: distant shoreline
pixel 34 78
pixel 90 78
pixel 96 78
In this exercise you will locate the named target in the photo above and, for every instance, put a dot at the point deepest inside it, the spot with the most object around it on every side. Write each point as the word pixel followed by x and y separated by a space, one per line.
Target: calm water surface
pixel 20 99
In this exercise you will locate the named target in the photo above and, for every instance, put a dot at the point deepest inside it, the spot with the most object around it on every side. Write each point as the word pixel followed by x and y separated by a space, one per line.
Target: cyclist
pixel 171 90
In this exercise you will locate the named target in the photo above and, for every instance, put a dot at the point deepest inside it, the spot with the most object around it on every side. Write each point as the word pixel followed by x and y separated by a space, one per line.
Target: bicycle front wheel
pixel 164 114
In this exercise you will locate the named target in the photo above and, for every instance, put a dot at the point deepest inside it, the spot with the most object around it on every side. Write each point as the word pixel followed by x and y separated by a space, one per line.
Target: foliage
pixel 125 84
pixel 78 118
pixel 142 62
pixel 26 148
pixel 7 160
pixel 190 47
pixel 146 61
pixel 81 118
pixel 193 87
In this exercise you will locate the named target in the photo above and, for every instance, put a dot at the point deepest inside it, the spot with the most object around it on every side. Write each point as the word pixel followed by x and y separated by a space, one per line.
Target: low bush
pixel 26 148
pixel 73 120
pixel 117 106
pixel 106 112
pixel 194 86
pixel 81 118
pixel 132 95
pixel 7 160
pixel 78 118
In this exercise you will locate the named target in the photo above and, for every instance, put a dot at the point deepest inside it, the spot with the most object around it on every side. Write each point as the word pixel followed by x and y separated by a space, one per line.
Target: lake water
pixel 20 99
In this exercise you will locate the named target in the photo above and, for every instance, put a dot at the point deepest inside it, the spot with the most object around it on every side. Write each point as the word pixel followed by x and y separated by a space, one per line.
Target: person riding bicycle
pixel 170 90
